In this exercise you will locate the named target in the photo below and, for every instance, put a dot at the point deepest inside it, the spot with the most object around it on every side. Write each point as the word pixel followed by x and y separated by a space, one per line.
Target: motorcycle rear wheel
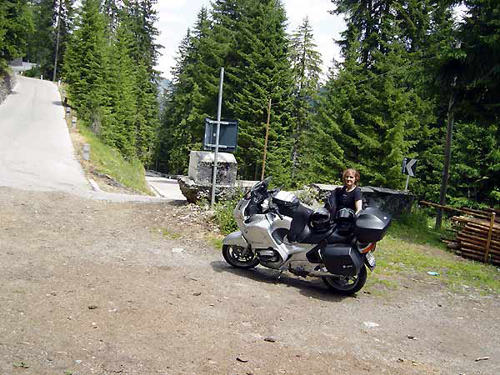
pixel 347 286
pixel 233 255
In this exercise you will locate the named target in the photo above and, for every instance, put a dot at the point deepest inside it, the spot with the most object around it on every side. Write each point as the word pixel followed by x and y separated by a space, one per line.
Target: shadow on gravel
pixel 57 102
pixel 310 287
pixel 176 203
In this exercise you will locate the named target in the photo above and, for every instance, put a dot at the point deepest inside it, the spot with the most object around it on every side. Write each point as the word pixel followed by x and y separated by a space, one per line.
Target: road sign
pixel 409 167
pixel 227 137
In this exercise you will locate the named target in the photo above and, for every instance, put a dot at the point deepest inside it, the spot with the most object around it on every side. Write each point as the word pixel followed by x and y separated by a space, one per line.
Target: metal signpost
pixel 219 109
pixel 409 167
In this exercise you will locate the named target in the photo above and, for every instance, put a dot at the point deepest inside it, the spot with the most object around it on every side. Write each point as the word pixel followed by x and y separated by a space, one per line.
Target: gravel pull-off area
pixel 90 287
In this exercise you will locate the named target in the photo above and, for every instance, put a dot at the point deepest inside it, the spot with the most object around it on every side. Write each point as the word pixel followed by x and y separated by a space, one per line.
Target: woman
pixel 349 196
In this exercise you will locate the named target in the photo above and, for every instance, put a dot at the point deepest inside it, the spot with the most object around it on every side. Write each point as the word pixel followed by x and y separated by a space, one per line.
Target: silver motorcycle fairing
pixel 235 239
pixel 256 231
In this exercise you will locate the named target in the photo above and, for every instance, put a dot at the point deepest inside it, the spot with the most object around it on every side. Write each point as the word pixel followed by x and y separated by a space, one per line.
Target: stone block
pixel 201 164
pixel 195 192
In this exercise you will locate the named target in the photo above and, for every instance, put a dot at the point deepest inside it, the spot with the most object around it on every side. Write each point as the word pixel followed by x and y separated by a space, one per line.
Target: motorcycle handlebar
pixel 273 208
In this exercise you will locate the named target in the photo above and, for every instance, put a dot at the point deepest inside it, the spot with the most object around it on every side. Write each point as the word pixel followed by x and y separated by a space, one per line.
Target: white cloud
pixel 176 16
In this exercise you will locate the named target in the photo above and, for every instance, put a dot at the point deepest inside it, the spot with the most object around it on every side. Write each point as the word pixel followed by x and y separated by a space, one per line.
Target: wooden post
pixel 265 142
pixel 447 154
pixel 490 232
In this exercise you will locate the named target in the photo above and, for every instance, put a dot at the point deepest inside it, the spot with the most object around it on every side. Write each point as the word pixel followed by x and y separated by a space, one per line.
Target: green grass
pixel 167 233
pixel 170 235
pixel 417 227
pixel 412 249
pixel 216 242
pixel 107 160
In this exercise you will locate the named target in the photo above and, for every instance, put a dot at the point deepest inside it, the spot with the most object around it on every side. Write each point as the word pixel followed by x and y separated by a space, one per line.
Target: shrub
pixel 224 215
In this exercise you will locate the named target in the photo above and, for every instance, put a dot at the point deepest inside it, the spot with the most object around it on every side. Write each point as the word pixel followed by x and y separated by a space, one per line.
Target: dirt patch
pixel 90 287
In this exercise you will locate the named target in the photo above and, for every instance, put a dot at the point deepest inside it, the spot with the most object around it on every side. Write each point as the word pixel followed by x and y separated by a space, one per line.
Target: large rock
pixel 394 202
pixel 198 192
pixel 201 165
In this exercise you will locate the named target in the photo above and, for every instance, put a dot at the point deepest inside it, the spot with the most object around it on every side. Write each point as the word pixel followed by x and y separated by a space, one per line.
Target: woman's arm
pixel 358 200
pixel 358 205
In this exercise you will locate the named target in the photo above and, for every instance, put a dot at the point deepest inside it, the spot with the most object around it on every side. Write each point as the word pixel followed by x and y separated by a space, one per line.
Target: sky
pixel 176 16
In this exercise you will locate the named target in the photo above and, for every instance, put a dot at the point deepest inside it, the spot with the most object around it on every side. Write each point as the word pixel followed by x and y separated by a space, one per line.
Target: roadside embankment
pixel 7 82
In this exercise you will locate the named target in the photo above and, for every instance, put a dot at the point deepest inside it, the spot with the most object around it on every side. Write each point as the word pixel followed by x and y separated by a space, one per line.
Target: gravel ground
pixel 92 287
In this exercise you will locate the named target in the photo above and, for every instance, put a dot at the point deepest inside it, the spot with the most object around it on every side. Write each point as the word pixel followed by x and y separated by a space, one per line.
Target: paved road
pixel 36 152
pixel 166 187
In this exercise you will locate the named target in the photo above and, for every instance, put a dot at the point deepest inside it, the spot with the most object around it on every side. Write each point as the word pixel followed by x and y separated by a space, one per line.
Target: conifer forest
pixel 410 70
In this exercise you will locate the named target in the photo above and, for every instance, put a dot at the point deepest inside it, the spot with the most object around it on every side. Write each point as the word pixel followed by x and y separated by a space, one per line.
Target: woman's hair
pixel 351 171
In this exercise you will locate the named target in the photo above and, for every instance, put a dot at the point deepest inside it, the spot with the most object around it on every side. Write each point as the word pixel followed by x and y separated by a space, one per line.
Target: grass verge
pixel 413 249
pixel 108 161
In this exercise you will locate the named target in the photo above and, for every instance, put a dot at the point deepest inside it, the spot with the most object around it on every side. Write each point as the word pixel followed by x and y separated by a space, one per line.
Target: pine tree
pixel 306 65
pixel 194 97
pixel 478 95
pixel 248 39
pixel 63 27
pixel 381 117
pixel 432 78
pixel 41 43
pixel 85 62
pixel 111 9
pixel 480 35
pixel 47 45
pixel 144 53
pixel 15 25
pixel 120 121
pixel 261 71
pixel 474 169
pixel 168 139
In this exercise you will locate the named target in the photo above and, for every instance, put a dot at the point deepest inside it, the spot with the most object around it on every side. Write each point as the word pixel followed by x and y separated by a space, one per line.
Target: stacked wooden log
pixel 477 233
pixel 477 239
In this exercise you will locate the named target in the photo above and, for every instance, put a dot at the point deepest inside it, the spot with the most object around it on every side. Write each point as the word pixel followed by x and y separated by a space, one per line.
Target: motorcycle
pixel 280 232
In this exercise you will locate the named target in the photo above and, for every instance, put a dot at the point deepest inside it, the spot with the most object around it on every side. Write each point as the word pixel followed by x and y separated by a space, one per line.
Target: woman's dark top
pixel 340 198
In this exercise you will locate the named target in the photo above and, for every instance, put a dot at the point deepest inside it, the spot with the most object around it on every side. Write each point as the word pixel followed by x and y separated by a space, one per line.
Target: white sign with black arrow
pixel 409 168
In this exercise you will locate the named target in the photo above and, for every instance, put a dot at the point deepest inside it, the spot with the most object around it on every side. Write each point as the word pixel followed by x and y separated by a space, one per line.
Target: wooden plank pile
pixel 477 233
pixel 478 239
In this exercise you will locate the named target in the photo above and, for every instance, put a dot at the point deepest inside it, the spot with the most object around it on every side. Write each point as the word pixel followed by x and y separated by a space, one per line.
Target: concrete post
pixel 86 151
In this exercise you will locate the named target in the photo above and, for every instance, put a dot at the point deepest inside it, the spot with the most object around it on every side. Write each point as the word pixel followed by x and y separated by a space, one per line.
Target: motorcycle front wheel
pixel 238 258
pixel 347 285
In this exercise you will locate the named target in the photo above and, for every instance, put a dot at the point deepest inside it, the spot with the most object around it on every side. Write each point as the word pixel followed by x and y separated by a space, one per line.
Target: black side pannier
pixel 341 259
pixel 371 225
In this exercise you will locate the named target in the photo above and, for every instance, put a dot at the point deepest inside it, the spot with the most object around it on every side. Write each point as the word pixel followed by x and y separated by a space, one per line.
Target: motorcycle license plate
pixel 370 259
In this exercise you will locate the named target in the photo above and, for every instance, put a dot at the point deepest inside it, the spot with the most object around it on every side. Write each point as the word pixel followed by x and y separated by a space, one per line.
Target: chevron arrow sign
pixel 409 166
